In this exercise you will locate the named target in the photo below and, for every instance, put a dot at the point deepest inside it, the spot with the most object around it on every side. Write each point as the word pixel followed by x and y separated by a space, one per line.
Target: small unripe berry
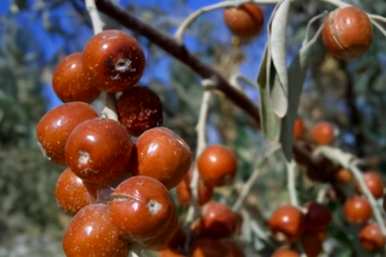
pixel 245 21
pixel 70 81
pixel 139 109
pixel 163 155
pixel 347 32
pixel 71 193
pixel 217 165
pixel 284 252
pixel 91 233
pixel 184 194
pixel 141 208
pixel 99 151
pixel 56 125
pixel 374 183
pixel 371 238
pixel 113 60
pixel 343 176
pixel 298 129
pixel 323 133
pixel 286 223
pixel 357 210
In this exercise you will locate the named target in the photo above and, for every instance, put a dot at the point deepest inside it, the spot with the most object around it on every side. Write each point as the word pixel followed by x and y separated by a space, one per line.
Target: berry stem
pixel 291 183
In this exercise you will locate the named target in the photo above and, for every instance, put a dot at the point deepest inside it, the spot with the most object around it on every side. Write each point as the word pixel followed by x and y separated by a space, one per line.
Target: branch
pixel 96 19
pixel 291 183
pixel 171 46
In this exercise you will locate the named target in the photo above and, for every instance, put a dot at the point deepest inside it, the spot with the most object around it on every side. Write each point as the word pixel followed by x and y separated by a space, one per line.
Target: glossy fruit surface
pixel 323 133
pixel 298 129
pixel 113 60
pixel 286 223
pixel 343 176
pixel 163 155
pixel 92 234
pixel 139 109
pixel 317 218
pixel 206 247
pixel 71 193
pixel 218 221
pixel 184 194
pixel 99 151
pixel 142 208
pixel 374 183
pixel 284 252
pixel 70 81
pixel 217 165
pixel 357 210
pixel 55 126
pixel 347 32
pixel 371 238
pixel 245 21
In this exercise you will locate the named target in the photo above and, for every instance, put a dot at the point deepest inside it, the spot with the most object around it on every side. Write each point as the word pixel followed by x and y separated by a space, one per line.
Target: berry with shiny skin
pixel 245 21
pixel 163 155
pixel 70 82
pixel 99 151
pixel 55 126
pixel 71 193
pixel 347 32
pixel 142 209
pixel 371 238
pixel 323 133
pixel 286 223
pixel 113 60
pixel 217 165
pixel 374 183
pixel 139 109
pixel 184 194
pixel 357 210
pixel 91 233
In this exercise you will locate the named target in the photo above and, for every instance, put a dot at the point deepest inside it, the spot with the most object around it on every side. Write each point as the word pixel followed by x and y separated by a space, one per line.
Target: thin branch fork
pixel 179 51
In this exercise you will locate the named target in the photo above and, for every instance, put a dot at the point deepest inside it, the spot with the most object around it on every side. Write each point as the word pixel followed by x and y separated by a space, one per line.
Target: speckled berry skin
pixel 99 151
pixel 371 238
pixel 217 165
pixel 245 21
pixel 70 82
pixel 287 222
pixel 71 193
pixel 55 126
pixel 357 210
pixel 113 60
pixel 91 233
pixel 347 32
pixel 142 209
pixel 139 109
pixel 323 133
pixel 284 252
pixel 163 155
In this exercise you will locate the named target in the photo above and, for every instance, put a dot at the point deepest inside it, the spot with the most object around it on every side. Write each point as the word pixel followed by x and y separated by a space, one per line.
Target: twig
pixel 96 20
pixel 379 27
pixel 377 18
pixel 201 144
pixel 309 24
pixel 350 162
pixel 255 227
pixel 271 149
pixel 291 183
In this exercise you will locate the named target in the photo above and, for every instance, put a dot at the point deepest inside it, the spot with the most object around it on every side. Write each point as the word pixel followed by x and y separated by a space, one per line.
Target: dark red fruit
pixel 317 218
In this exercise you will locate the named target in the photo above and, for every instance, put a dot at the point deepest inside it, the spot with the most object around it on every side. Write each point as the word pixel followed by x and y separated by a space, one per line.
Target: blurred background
pixel 36 34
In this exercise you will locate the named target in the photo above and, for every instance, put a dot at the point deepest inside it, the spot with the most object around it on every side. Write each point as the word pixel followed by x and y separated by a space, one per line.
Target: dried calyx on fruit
pixel 347 32
pixel 113 60
pixel 245 21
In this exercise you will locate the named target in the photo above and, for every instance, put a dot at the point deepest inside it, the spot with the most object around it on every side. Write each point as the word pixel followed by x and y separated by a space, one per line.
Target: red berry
pixel 113 60
pixel 71 193
pixel 323 133
pixel 298 129
pixel 343 176
pixel 217 165
pixel 91 233
pixel 141 208
pixel 245 21
pixel 206 247
pixel 313 243
pixel 56 125
pixel 347 32
pixel 163 155
pixel 374 183
pixel 284 252
pixel 317 218
pixel 139 109
pixel 371 238
pixel 99 151
pixel 286 223
pixel 184 194
pixel 70 81
pixel 357 210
